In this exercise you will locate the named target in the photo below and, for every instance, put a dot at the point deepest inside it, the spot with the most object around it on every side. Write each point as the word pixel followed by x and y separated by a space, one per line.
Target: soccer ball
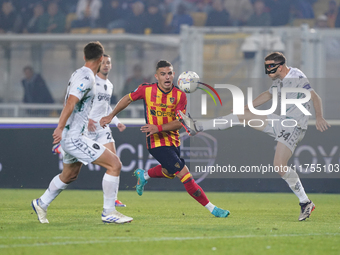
pixel 187 81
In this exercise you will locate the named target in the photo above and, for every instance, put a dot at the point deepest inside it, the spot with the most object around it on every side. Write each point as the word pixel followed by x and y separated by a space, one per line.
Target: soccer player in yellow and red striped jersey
pixel 162 100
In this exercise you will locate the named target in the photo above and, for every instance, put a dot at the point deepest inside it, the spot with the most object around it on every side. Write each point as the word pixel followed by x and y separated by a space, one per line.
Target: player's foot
pixel 119 204
pixel 218 212
pixel 39 211
pixel 115 217
pixel 139 173
pixel 55 149
pixel 306 210
pixel 188 123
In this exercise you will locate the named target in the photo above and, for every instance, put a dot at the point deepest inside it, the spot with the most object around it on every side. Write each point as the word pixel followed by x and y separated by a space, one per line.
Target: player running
pixel 101 107
pixel 79 148
pixel 287 137
pixel 162 100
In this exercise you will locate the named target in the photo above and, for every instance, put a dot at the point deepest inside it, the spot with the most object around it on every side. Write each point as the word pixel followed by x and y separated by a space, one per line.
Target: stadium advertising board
pixel 216 159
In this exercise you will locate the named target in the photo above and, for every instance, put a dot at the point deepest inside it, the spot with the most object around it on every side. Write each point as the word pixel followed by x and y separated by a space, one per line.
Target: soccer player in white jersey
pixel 287 138
pixel 100 108
pixel 79 148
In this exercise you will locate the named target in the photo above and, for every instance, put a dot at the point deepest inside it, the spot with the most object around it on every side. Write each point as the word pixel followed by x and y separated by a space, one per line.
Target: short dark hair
pixel 162 63
pixel 93 51
pixel 28 68
pixel 106 55
pixel 278 57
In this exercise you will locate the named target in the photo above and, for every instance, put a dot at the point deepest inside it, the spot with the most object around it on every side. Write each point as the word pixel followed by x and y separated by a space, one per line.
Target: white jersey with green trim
pixel 101 103
pixel 294 79
pixel 81 85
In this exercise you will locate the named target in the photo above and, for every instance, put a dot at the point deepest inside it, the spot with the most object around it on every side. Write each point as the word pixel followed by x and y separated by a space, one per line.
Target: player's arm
pixel 153 129
pixel 170 126
pixel 321 123
pixel 65 114
pixel 261 99
pixel 121 105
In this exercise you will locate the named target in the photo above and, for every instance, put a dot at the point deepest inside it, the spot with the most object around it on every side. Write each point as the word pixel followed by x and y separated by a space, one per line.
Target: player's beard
pixel 104 74
pixel 275 77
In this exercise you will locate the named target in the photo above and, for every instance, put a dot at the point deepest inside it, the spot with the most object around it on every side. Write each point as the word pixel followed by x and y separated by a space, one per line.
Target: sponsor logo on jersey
pixel 87 78
pixel 162 113
pixel 103 96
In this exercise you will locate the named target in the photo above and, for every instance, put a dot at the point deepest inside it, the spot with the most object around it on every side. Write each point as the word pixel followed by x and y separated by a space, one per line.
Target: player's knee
pixel 167 174
pixel 68 178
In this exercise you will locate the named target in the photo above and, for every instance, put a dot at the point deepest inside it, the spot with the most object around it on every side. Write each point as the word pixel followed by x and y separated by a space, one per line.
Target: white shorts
pixel 289 136
pixel 101 135
pixel 81 149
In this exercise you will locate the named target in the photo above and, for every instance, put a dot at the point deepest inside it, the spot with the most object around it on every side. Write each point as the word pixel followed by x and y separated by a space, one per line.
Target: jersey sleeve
pixel 182 105
pixel 306 85
pixel 138 93
pixel 81 86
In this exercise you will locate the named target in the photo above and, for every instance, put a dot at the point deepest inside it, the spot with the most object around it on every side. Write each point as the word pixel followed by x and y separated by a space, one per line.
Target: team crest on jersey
pixel 172 100
pixel 105 87
pixel 96 146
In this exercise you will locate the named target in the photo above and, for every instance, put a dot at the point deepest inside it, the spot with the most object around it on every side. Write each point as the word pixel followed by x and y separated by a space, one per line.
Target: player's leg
pixel 111 146
pixel 282 155
pixel 110 184
pixel 220 123
pixel 57 149
pixel 57 185
pixel 196 192
pixel 162 155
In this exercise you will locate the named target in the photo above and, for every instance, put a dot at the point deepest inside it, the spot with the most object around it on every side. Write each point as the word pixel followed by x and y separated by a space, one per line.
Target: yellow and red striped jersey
pixel 160 108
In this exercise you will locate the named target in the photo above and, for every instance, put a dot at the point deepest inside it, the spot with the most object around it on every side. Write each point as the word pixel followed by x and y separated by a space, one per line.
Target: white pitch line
pixel 148 239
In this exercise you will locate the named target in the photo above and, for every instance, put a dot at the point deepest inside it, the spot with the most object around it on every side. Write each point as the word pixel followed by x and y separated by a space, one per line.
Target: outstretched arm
pixel 321 123
pixel 121 105
pixel 261 99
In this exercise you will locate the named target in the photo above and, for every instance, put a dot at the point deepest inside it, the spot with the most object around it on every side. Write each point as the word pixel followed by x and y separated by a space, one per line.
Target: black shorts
pixel 169 157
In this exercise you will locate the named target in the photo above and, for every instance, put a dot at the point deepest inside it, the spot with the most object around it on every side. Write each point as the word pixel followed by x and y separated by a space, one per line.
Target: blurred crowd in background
pixel 158 16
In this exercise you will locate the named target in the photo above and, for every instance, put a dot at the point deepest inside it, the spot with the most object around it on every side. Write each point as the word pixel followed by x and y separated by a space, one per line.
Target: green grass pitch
pixel 169 223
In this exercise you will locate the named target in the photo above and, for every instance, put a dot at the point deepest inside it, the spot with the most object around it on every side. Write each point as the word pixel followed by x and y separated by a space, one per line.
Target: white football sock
pixel 61 150
pixel 210 206
pixel 219 123
pixel 110 189
pixel 56 186
pixel 293 181
pixel 146 175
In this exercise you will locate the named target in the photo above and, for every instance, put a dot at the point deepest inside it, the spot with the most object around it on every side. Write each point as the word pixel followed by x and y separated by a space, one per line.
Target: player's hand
pixel 91 126
pixel 57 135
pixel 121 127
pixel 149 128
pixel 322 124
pixel 105 121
